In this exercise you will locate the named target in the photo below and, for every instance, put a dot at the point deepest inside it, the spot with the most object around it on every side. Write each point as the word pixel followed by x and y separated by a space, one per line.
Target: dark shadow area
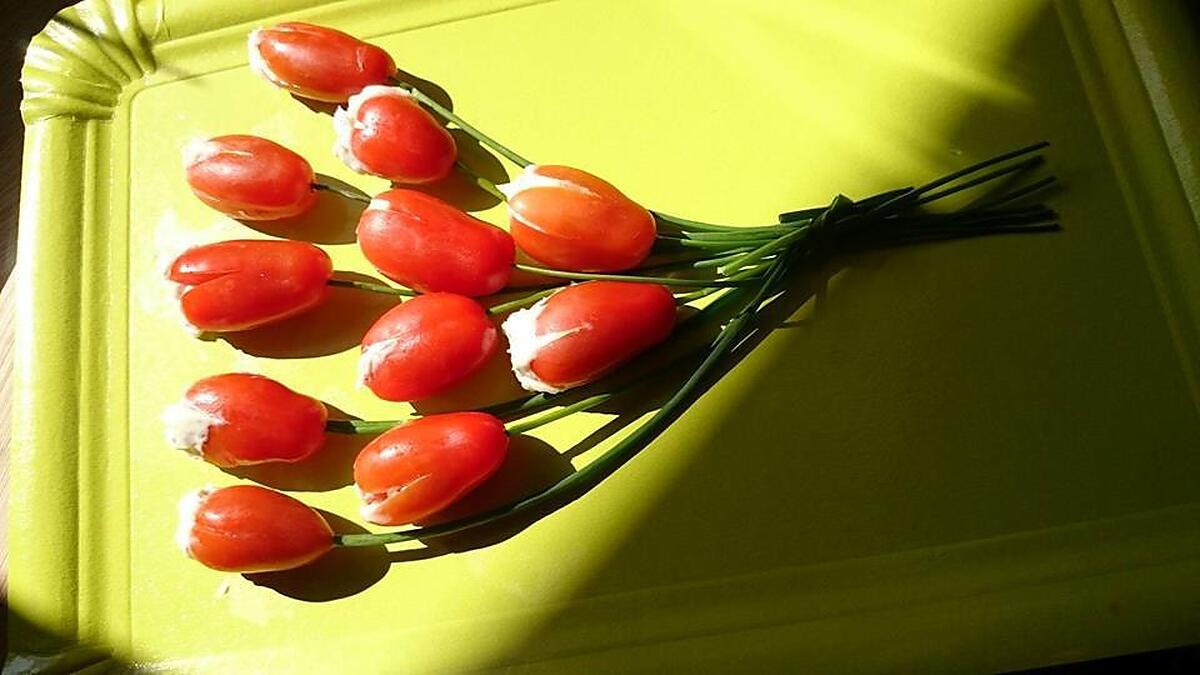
pixel 522 279
pixel 458 188
pixel 29 648
pixel 332 220
pixel 319 107
pixel 534 466
pixel 1181 661
pixel 531 465
pixel 338 574
pixel 920 396
pixel 334 326
pixel 491 384
pixel 329 468
pixel 428 87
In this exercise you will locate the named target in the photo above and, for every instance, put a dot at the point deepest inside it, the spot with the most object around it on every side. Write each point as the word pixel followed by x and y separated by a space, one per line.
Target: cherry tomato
pixel 419 468
pixel 238 419
pixel 249 177
pixel 317 63
pixel 424 346
pixel 584 331
pixel 246 528
pixel 424 243
pixel 571 220
pixel 385 133
pixel 240 284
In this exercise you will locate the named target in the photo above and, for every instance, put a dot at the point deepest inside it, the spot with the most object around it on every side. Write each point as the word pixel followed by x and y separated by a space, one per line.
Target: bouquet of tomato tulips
pixel 600 303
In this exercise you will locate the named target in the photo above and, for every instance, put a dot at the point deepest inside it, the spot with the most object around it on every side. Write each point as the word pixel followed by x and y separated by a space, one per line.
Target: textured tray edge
pixel 79 63
pixel 43 523
pixel 69 379
pixel 1113 43
pixel 69 124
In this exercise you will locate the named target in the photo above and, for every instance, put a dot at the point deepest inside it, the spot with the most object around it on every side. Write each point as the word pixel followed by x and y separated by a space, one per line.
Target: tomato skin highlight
pixel 571 220
pixel 428 245
pixel 419 468
pixel 316 62
pixel 586 330
pixel 243 283
pixel 425 346
pixel 248 529
pixel 249 419
pixel 249 178
pixel 383 132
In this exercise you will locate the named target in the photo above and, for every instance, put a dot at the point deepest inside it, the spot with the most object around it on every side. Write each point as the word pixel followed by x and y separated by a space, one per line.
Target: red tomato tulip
pixel 317 63
pixel 385 133
pixel 240 284
pixel 424 243
pixel 246 528
pixel 237 419
pixel 586 330
pixel 419 468
pixel 571 220
pixel 249 177
pixel 425 346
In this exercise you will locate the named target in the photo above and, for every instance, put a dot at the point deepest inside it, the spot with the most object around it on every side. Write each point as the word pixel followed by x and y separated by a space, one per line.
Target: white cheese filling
pixel 373 502
pixel 189 506
pixel 198 150
pixel 379 204
pixel 373 356
pixel 524 344
pixel 177 291
pixel 201 149
pixel 530 179
pixel 187 427
pixel 257 63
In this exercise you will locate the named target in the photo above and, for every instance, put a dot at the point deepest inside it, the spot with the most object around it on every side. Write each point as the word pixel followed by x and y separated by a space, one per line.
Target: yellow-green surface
pixel 976 455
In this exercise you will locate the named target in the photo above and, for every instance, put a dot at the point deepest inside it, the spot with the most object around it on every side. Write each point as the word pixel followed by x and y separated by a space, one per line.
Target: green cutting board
pixel 979 455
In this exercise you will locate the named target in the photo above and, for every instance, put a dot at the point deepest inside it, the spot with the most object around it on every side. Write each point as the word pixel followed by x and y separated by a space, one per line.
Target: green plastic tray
pixel 978 455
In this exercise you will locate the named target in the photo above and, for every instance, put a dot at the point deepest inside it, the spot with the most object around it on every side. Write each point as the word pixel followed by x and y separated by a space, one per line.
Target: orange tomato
pixel 571 220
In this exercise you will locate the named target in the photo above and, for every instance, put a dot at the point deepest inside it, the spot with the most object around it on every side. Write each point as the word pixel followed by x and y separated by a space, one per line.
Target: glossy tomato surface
pixel 425 346
pixel 316 62
pixel 384 132
pixel 239 284
pixel 260 420
pixel 571 220
pixel 249 178
pixel 419 468
pixel 426 244
pixel 247 528
pixel 599 325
